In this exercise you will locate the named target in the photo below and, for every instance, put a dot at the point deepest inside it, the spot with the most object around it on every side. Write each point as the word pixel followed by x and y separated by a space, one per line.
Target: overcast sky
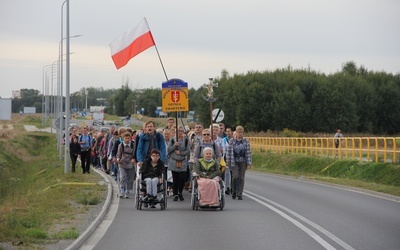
pixel 196 39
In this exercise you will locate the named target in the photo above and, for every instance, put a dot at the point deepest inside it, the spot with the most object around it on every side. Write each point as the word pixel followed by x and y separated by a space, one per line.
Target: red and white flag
pixel 131 44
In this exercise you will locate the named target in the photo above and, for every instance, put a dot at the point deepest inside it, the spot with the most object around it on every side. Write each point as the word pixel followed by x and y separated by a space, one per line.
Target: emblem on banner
pixel 175 96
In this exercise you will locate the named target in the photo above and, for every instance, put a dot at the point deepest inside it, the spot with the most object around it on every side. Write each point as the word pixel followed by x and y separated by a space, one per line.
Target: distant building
pixel 16 94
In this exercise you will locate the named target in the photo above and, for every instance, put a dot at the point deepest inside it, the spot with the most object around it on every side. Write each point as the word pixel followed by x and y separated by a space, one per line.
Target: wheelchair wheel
pixel 165 194
pixel 137 201
pixel 222 202
pixel 196 202
pixel 193 201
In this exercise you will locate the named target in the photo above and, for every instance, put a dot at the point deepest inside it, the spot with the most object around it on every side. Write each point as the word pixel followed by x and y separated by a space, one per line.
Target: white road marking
pixel 297 223
pixel 106 222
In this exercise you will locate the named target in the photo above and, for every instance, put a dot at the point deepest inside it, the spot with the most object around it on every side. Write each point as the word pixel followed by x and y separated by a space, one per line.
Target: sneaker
pixel 121 195
pixel 240 197
pixel 126 196
pixel 176 198
pixel 234 196
pixel 181 197
pixel 227 191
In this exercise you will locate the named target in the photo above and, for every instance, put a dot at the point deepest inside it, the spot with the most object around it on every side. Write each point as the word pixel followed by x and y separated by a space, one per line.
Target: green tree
pixel 121 100
pixel 288 110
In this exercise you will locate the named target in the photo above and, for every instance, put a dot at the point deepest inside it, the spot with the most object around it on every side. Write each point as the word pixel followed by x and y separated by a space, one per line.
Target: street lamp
pixel 67 98
pixel 67 85
pixel 45 90
pixel 86 93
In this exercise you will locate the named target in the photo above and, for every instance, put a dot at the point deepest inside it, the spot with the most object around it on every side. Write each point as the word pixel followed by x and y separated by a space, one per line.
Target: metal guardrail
pixel 377 149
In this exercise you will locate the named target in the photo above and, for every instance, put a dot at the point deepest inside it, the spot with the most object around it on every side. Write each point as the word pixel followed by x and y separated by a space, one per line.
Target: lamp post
pixel 61 50
pixel 67 97
pixel 50 105
pixel 86 93
pixel 45 89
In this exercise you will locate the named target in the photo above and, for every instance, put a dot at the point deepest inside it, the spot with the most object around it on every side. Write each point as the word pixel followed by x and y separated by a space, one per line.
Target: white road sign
pixel 219 114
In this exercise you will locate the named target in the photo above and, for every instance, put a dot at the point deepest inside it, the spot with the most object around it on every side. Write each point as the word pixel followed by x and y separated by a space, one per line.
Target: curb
pixel 93 226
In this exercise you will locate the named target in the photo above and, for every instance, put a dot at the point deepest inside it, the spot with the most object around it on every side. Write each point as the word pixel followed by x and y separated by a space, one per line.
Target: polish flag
pixel 131 44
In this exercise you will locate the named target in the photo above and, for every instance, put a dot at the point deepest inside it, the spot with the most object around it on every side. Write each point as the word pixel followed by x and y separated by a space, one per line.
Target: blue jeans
pixel 114 169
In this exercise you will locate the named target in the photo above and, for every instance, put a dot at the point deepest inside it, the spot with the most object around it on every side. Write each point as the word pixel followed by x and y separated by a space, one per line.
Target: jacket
pixel 144 144
pixel 148 171
pixel 230 155
pixel 184 147
pixel 74 148
pixel 125 155
pixel 207 169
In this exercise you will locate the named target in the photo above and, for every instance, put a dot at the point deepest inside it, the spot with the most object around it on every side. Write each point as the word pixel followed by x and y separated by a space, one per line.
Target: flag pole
pixel 158 54
pixel 162 65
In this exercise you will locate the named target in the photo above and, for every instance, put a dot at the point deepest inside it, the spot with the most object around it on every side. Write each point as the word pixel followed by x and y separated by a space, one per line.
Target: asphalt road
pixel 276 213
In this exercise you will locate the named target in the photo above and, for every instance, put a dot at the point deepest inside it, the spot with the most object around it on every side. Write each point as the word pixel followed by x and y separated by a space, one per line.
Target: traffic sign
pixel 83 114
pixel 218 115
pixel 60 123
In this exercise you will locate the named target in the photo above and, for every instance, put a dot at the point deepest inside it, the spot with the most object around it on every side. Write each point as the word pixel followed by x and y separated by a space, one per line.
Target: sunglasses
pixel 206 134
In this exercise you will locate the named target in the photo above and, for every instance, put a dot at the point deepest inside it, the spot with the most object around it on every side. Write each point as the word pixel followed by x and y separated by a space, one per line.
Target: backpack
pixel 132 147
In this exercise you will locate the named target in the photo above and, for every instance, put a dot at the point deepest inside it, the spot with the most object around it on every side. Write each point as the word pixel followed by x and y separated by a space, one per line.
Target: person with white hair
pixel 208 182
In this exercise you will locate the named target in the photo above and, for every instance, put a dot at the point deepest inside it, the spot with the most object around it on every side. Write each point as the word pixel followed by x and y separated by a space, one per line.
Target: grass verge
pixel 39 203
pixel 380 177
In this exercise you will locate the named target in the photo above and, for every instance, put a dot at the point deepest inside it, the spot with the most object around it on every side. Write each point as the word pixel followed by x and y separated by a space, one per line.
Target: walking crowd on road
pixel 179 154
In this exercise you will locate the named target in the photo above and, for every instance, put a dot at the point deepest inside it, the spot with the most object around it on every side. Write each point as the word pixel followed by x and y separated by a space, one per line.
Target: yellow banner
pixel 175 99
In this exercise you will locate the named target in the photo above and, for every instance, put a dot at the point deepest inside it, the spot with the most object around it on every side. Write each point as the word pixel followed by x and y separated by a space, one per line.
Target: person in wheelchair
pixel 208 174
pixel 151 172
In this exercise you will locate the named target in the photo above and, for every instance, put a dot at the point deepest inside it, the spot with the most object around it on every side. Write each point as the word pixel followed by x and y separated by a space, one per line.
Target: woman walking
pixel 238 159
pixel 126 164
pixel 74 151
pixel 178 164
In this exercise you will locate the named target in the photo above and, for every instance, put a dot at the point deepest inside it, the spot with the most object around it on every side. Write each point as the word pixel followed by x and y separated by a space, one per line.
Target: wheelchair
pixel 140 187
pixel 196 196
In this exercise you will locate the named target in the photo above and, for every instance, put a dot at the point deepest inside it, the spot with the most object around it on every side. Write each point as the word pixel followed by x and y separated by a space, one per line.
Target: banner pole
pixel 162 65
pixel 158 54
